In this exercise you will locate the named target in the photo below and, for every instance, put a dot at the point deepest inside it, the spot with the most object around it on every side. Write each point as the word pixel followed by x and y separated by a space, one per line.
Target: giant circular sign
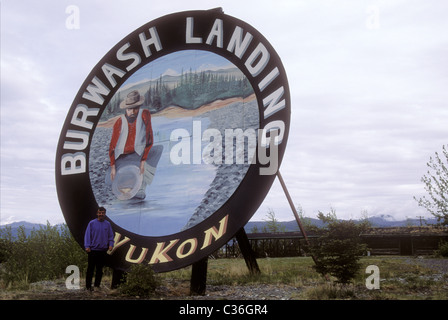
pixel 178 131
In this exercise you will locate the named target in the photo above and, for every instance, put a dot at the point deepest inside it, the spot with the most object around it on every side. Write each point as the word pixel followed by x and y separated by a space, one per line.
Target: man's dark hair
pixel 102 209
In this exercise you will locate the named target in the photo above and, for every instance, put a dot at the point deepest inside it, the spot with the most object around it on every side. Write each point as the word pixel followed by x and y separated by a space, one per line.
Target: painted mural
pixel 197 141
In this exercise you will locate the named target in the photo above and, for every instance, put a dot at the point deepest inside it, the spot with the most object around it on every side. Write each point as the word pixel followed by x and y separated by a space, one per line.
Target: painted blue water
pixel 175 192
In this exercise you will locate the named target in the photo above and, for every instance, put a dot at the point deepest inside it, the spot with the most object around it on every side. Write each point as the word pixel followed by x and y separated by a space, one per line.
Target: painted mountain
pixel 188 90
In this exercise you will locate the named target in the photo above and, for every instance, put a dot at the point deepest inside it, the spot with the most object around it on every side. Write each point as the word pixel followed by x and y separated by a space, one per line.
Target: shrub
pixel 338 250
pixel 44 254
pixel 443 249
pixel 140 281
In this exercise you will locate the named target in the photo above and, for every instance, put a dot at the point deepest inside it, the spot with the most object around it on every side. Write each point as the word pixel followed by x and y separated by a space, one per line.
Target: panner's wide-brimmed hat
pixel 133 100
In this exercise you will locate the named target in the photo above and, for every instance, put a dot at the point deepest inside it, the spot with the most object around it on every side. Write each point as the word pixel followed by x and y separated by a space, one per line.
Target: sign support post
pixel 118 277
pixel 198 280
pixel 296 215
pixel 291 204
pixel 248 253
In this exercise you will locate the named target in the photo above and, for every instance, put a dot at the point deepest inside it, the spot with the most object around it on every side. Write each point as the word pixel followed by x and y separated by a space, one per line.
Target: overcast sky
pixel 368 83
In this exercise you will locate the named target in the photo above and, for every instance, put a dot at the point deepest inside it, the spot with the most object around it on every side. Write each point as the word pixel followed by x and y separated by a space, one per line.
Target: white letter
pixel 373 281
pixel 268 79
pixel 84 136
pixel 236 43
pixel 80 115
pixel 240 144
pixel 373 21
pixel 274 125
pixel 72 21
pixel 154 40
pixel 95 91
pixel 109 71
pixel 189 32
pixel 255 70
pixel 216 32
pixel 73 163
pixel 273 153
pixel 183 147
pixel 272 104
pixel 215 146
pixel 127 56
pixel 72 281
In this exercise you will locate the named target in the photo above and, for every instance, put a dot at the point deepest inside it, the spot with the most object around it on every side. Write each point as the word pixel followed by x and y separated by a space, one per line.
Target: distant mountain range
pixel 382 221
pixel 377 221
pixel 28 226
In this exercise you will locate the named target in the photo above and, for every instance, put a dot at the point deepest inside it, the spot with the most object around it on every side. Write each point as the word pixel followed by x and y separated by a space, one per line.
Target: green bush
pixel 140 281
pixel 44 254
pixel 338 250
pixel 443 249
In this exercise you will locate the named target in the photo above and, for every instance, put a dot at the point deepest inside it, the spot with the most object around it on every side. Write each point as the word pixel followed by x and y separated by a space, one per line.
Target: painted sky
pixel 368 86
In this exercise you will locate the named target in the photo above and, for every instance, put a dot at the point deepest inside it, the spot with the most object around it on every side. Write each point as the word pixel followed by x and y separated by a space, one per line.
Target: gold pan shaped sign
pixel 178 132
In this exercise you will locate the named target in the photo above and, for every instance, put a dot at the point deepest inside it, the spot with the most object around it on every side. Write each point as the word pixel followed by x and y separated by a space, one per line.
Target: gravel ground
pixel 253 292
pixel 439 265
pixel 180 290
pixel 169 290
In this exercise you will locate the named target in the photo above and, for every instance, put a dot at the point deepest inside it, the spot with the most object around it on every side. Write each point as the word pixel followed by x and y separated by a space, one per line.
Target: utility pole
pixel 421 218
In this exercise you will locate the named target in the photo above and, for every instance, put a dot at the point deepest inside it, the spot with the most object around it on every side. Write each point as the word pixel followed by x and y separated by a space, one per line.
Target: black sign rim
pixel 75 194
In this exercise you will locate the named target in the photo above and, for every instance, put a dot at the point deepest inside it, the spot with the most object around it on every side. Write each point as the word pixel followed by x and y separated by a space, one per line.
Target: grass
pixel 291 271
pixel 401 278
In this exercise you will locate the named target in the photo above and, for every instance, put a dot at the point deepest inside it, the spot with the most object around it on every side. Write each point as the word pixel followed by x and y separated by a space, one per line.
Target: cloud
pixel 368 104
pixel 170 72
pixel 367 113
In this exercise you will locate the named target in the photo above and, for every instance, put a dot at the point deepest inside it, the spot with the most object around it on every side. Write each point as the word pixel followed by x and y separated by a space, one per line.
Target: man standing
pixel 99 238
